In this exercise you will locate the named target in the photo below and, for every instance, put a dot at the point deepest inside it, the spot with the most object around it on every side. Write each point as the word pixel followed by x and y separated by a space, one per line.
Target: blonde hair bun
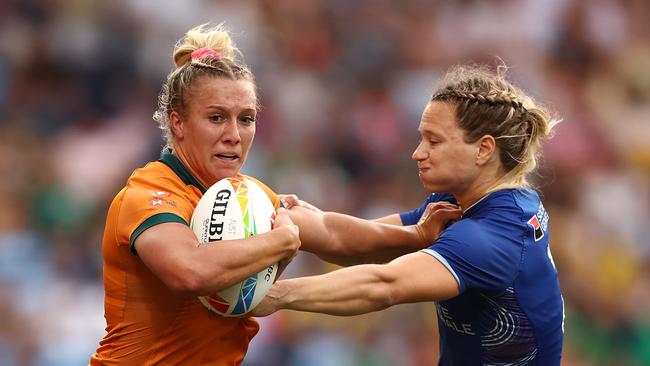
pixel 216 38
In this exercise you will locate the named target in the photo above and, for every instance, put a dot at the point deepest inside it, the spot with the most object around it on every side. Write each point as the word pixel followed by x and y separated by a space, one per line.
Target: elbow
pixel 343 254
pixel 381 300
pixel 192 282
pixel 384 294
pixel 187 283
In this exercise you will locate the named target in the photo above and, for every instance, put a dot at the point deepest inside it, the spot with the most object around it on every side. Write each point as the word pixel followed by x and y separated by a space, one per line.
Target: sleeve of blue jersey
pixel 474 257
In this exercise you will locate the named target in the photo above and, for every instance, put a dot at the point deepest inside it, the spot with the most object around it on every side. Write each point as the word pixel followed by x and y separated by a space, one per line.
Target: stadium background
pixel 342 85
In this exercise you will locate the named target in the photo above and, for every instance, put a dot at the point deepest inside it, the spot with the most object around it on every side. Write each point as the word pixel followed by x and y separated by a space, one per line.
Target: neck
pixel 469 198
pixel 481 187
pixel 180 154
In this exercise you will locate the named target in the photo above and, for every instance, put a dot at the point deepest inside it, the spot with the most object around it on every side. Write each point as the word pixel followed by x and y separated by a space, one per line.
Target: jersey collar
pixel 169 159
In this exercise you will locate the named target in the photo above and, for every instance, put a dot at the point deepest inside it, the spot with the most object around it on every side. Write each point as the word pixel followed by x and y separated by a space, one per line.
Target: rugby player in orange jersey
pixel 154 267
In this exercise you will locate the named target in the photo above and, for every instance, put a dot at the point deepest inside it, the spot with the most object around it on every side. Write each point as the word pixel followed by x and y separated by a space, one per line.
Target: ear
pixel 176 124
pixel 486 148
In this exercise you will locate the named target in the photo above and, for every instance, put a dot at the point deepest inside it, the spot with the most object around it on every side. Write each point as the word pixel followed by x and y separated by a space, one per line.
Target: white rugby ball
pixel 235 208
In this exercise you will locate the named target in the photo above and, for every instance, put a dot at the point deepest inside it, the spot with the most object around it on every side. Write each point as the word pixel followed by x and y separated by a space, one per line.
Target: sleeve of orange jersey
pixel 145 206
pixel 272 195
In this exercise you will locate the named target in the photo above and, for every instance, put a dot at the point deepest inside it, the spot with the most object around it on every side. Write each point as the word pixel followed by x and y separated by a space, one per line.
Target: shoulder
pixel 478 255
pixel 156 186
pixel 486 248
pixel 468 238
pixel 508 209
pixel 516 200
pixel 502 217
pixel 499 227
pixel 465 230
pixel 152 175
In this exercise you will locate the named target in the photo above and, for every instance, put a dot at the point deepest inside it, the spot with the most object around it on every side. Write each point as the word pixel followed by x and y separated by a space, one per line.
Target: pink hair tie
pixel 204 51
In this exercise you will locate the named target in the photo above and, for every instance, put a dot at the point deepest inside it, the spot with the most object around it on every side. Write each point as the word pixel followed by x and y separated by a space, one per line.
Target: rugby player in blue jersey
pixel 489 268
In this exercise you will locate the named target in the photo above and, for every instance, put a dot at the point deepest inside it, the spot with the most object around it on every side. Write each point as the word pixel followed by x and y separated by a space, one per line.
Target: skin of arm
pixel 171 252
pixel 415 277
pixel 347 240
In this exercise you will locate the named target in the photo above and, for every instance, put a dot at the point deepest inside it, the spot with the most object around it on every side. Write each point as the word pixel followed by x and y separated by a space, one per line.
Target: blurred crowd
pixel 342 85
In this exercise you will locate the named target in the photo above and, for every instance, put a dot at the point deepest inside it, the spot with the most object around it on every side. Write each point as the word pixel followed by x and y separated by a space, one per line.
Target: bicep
pixel 165 248
pixel 420 277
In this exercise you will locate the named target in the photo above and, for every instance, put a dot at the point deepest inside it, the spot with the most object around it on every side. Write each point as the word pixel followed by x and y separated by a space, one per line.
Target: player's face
pixel 446 163
pixel 216 129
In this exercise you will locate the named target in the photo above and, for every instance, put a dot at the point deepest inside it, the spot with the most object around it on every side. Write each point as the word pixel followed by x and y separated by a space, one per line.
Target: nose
pixel 231 132
pixel 419 153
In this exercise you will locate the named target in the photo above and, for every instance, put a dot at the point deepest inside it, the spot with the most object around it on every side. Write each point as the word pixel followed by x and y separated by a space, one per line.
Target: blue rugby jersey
pixel 510 309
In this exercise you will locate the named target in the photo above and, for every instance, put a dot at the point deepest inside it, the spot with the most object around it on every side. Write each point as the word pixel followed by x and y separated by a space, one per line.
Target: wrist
pixel 284 235
pixel 421 235
pixel 280 295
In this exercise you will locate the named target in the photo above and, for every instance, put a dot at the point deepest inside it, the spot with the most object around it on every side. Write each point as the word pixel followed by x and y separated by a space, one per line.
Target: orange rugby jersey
pixel 147 323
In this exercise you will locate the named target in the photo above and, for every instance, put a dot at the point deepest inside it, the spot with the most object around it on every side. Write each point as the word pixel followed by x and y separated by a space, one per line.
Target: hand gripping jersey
pixel 510 310
pixel 147 323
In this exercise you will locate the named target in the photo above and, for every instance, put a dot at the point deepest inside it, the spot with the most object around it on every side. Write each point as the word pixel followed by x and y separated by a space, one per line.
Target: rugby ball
pixel 235 208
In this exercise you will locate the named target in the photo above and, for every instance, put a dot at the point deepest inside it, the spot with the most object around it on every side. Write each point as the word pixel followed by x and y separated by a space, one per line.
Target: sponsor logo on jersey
pixel 158 198
pixel 449 321
pixel 539 222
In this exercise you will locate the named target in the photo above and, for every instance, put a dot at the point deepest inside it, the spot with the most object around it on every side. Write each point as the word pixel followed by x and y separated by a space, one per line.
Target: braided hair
pixel 487 104
pixel 218 59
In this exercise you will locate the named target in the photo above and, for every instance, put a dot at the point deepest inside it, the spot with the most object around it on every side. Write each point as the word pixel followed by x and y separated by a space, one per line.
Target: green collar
pixel 169 159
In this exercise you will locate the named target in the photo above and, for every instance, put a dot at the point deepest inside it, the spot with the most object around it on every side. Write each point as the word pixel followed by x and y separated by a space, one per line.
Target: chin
pixel 432 187
pixel 428 186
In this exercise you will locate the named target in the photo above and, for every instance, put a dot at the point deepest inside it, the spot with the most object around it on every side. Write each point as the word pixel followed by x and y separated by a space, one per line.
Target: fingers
pixel 289 200
pixel 427 212
pixel 448 214
pixel 438 206
pixel 280 218
pixel 283 221
pixel 435 218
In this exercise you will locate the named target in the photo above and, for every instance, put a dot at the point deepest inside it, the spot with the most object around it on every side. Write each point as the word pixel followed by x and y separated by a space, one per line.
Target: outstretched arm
pixel 347 240
pixel 362 289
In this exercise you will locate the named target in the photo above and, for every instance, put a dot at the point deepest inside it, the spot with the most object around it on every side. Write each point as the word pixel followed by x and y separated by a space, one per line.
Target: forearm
pixel 346 240
pixel 222 264
pixel 348 291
